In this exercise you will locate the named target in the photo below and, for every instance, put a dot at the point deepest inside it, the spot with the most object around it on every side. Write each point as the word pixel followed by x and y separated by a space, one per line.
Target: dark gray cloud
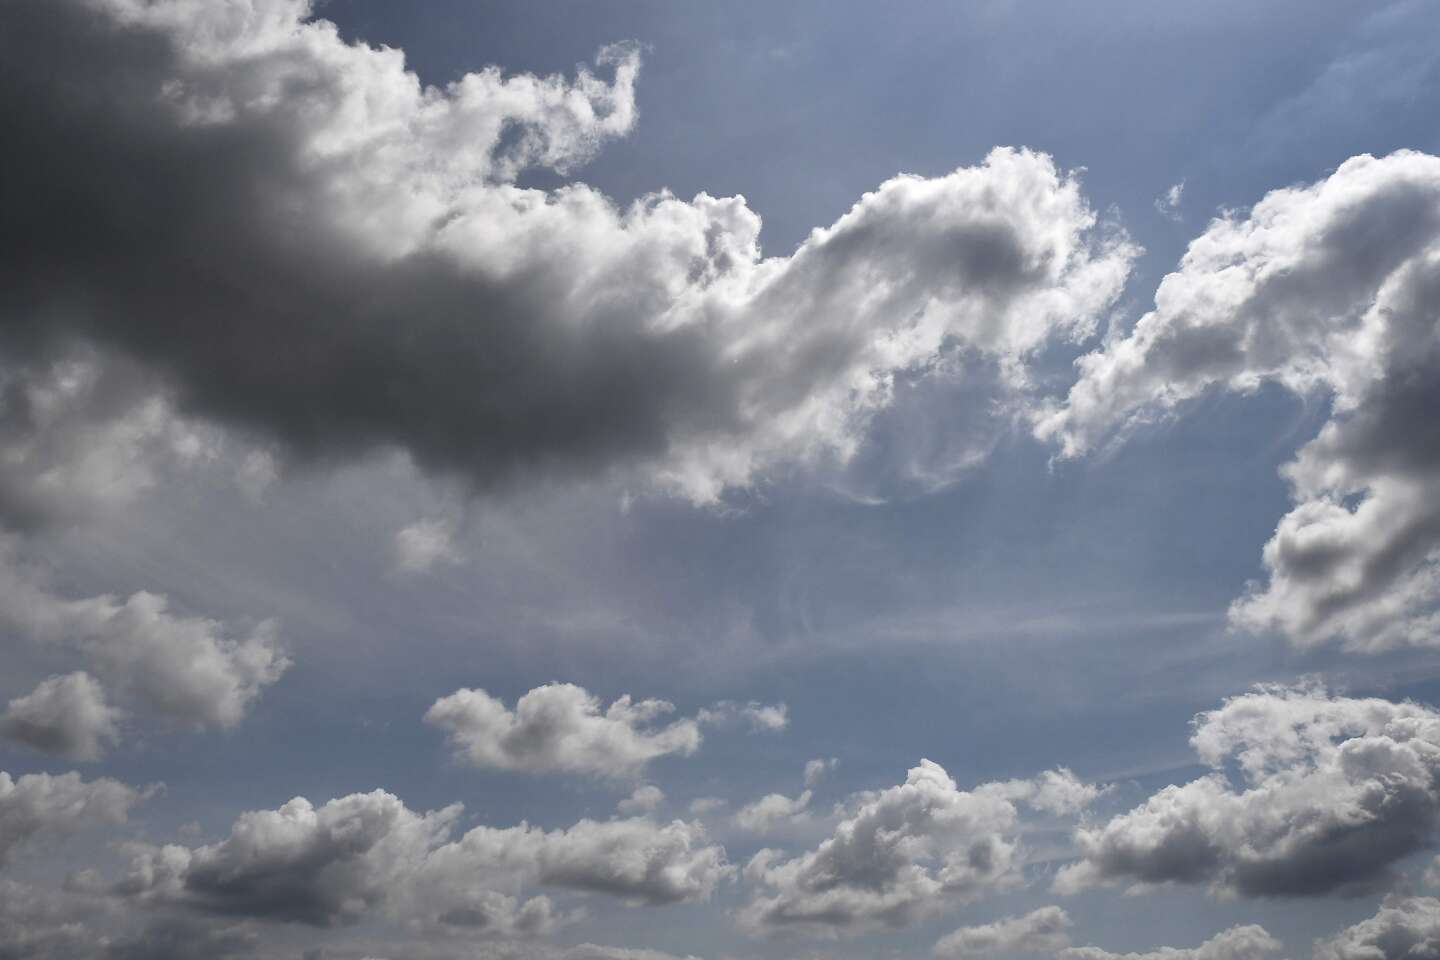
pixel 299 239
pixel 1332 793
pixel 1329 290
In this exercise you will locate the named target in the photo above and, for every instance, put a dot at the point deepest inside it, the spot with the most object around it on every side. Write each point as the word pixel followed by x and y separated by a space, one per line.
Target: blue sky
pixel 1056 407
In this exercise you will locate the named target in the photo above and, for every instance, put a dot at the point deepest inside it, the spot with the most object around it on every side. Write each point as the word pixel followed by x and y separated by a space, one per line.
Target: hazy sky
pixel 640 479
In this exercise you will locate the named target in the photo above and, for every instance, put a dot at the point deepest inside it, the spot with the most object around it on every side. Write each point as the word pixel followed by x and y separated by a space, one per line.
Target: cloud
pixel 1328 290
pixel 367 855
pixel 760 815
pixel 905 853
pixel 1040 931
pixel 815 770
pixel 38 806
pixel 1055 791
pixel 1238 943
pixel 423 544
pixel 189 669
pixel 1406 928
pixel 1168 203
pixel 66 715
pixel 560 727
pixel 759 717
pixel 299 238
pixel 1331 793
pixel 645 799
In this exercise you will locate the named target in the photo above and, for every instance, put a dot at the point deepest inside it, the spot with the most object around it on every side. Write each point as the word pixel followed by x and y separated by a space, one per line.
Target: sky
pixel 646 480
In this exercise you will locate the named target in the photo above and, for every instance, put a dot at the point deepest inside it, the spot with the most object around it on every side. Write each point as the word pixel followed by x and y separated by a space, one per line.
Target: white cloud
pixel 423 544
pixel 759 717
pixel 760 815
pixel 1040 931
pixel 1402 929
pixel 815 770
pixel 66 715
pixel 646 798
pixel 1332 793
pixel 369 855
pixel 1328 290
pixel 1238 943
pixel 37 806
pixel 905 853
pixel 487 328
pixel 560 727
pixel 189 669
pixel 1168 203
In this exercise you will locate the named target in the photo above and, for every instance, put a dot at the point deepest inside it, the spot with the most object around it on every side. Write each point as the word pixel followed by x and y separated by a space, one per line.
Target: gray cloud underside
pixel 303 241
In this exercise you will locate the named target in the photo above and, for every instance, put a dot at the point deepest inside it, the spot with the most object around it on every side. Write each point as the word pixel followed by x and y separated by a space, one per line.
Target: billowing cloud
pixel 369 855
pixel 1331 793
pixel 1329 290
pixel 1056 791
pixel 38 806
pixel 339 257
pixel 905 853
pixel 192 670
pixel 1041 931
pixel 561 727
pixel 1238 943
pixel 66 715
pixel 1403 929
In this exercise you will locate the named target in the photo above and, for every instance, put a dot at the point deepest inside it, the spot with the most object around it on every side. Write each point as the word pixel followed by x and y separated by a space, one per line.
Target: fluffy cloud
pixel 1238 943
pixel 1404 928
pixel 1040 931
pixel 905 853
pixel 368 854
pixel 760 815
pixel 189 669
pixel 37 806
pixel 561 727
pixel 645 799
pixel 1332 792
pixel 340 257
pixel 1327 290
pixel 66 715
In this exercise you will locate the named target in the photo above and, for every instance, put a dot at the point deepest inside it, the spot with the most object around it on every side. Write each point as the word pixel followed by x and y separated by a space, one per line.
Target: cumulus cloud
pixel 66 715
pixel 1040 931
pixel 562 728
pixel 645 799
pixel 1055 791
pixel 1328 290
pixel 193 670
pixel 1406 928
pixel 339 257
pixel 39 806
pixel 905 853
pixel 1238 943
pixel 1168 203
pixel 369 855
pixel 1328 794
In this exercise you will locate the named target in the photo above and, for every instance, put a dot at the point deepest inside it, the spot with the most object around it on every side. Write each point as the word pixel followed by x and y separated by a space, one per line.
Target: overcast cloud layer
pixel 438 523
